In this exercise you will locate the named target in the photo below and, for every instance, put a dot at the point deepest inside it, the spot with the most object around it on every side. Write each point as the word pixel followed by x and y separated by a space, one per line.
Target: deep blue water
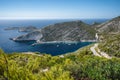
pixel 53 49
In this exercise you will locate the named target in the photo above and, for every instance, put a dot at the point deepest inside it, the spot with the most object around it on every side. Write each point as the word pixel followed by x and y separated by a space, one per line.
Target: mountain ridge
pixel 66 31
pixel 71 31
pixel 112 25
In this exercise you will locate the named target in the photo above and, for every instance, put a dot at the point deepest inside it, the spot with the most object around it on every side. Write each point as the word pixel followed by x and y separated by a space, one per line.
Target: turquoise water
pixel 53 49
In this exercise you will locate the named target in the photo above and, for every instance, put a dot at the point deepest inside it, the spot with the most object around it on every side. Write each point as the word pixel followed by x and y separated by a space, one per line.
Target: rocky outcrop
pixel 66 31
pixel 36 35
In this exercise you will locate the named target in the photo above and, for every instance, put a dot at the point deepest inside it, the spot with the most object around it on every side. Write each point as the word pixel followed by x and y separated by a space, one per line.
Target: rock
pixel 32 36
pixel 61 56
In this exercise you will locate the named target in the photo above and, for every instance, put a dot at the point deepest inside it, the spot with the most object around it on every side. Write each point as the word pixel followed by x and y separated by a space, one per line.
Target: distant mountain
pixel 109 26
pixel 66 31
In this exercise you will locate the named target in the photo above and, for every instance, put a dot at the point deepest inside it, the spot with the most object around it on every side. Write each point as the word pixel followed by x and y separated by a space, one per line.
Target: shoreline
pixel 88 40
pixel 64 42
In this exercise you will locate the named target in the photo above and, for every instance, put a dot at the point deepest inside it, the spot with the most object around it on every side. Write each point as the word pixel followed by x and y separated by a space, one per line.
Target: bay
pixel 53 49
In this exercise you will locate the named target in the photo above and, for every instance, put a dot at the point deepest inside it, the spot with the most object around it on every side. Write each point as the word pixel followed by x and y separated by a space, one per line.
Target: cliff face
pixel 109 26
pixel 67 31
pixel 35 35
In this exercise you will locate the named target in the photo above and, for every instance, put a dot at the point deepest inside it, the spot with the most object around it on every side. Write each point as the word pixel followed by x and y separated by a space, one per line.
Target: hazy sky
pixel 59 9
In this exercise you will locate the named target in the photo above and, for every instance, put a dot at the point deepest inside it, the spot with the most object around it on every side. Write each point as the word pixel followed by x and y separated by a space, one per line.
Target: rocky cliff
pixel 35 35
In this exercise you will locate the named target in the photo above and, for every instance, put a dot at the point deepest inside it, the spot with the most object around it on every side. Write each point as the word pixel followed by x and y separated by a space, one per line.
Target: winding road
pixel 98 52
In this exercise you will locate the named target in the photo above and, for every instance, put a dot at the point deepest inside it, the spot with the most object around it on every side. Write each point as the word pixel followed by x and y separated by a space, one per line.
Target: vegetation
pixel 79 65
pixel 111 44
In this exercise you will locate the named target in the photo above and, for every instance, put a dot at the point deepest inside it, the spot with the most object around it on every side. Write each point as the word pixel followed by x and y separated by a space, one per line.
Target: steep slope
pixel 79 65
pixel 35 35
pixel 109 26
pixel 109 35
pixel 111 44
pixel 66 31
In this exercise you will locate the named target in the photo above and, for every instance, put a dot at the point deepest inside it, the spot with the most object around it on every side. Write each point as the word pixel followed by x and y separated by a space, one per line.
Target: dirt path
pixel 98 52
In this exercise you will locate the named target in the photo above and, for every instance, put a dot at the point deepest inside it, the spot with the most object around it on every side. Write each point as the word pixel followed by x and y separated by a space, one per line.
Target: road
pixel 98 52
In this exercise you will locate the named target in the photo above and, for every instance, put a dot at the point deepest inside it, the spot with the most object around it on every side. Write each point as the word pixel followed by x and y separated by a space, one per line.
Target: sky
pixel 59 9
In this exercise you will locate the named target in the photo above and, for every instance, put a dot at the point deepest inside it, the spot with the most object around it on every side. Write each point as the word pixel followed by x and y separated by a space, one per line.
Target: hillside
pixel 79 65
pixel 109 36
pixel 35 35
pixel 110 26
pixel 111 44
pixel 66 31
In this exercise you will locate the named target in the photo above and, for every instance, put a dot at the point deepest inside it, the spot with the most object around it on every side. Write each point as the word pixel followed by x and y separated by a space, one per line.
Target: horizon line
pixel 38 18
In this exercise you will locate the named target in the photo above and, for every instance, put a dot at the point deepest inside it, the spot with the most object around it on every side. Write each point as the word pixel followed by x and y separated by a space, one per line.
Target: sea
pixel 10 46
